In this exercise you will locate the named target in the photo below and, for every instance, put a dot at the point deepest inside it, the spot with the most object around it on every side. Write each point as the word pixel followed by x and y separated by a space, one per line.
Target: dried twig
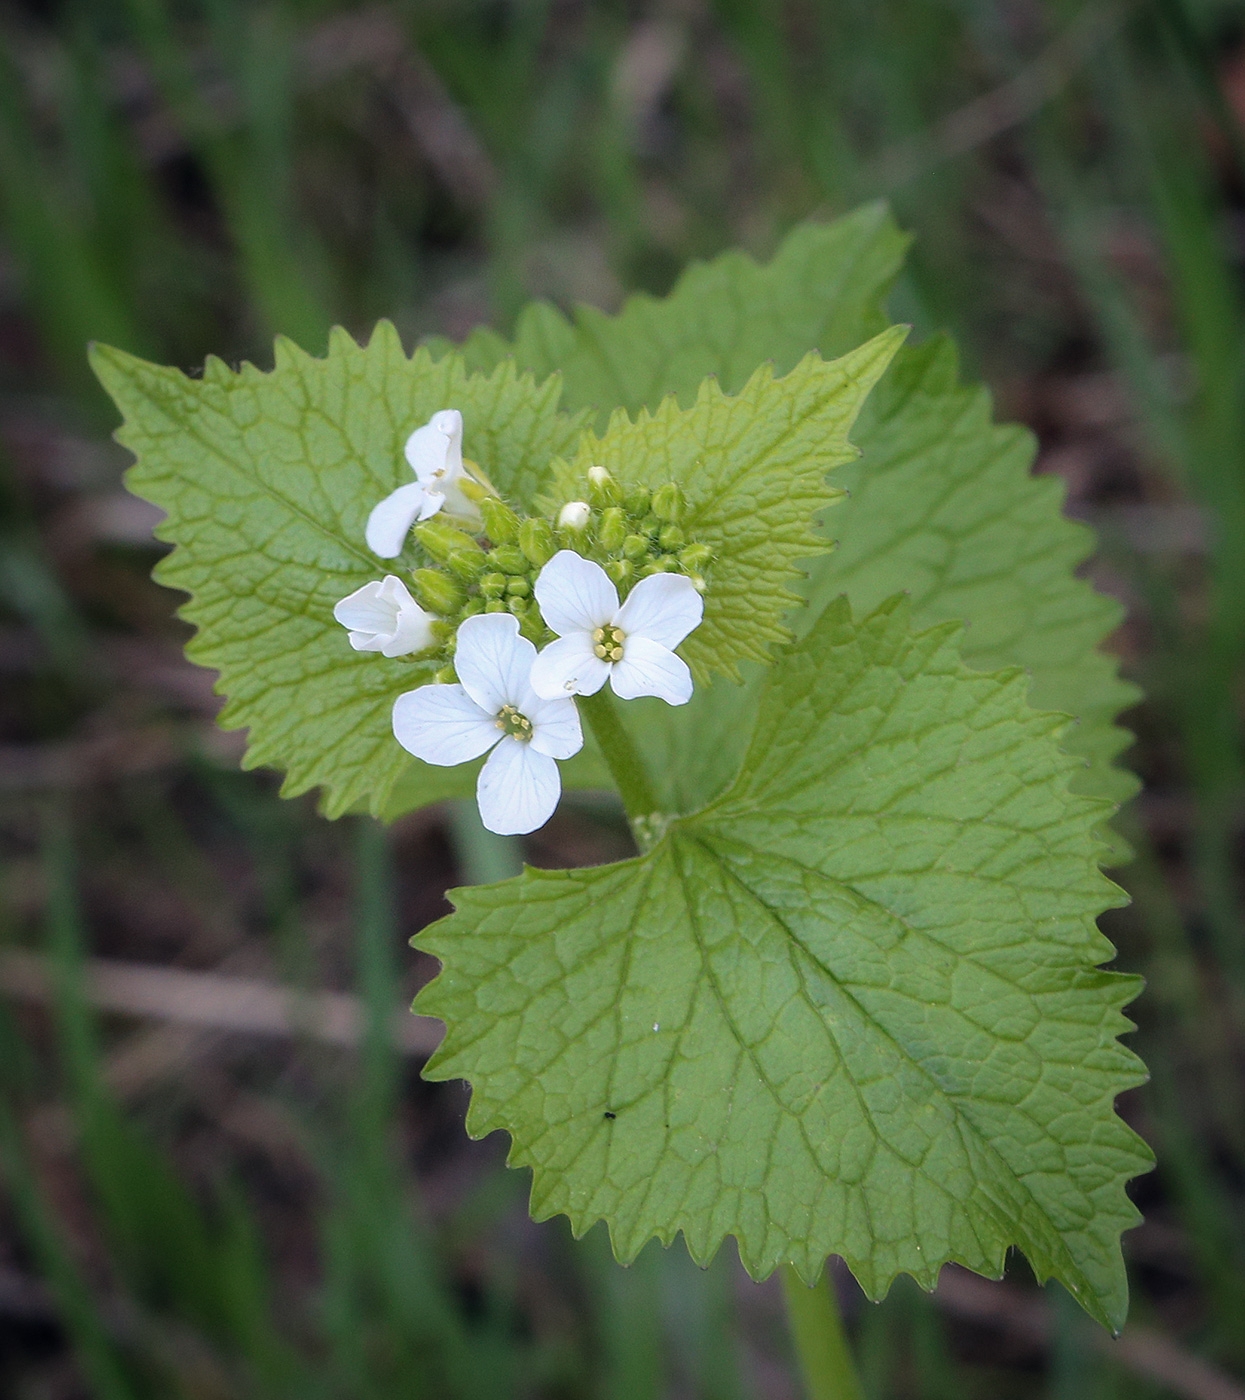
pixel 215 1002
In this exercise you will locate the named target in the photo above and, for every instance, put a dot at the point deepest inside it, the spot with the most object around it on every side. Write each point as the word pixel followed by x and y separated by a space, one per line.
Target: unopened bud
pixel 620 570
pixel 501 524
pixel 635 547
pixel 475 606
pixel 574 516
pixel 445 676
pixel 468 564
pixel 537 542
pixel 613 529
pixel 517 606
pixel 473 490
pixel 437 591
pixel 637 499
pixel 671 537
pixel 695 557
pixel 492 585
pixel 669 503
pixel 510 559
pixel 603 490
pixel 518 588
pixel 441 540
pixel 494 605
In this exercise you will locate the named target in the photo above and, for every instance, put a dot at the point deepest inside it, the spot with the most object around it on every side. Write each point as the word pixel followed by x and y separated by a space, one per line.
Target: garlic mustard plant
pixel 384 617
pixel 848 996
pixel 493 707
pixel 435 454
pixel 630 644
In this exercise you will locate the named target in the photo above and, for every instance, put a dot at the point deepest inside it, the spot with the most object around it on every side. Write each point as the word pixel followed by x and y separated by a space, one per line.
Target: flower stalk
pixel 626 768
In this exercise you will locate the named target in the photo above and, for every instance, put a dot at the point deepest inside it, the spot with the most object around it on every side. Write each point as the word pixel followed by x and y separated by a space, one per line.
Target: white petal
pixel 442 724
pixel 663 607
pixel 575 595
pixel 366 610
pixel 648 668
pixel 389 522
pixel 412 633
pixel 367 641
pixel 435 451
pixel 569 666
pixel 432 502
pixel 517 789
pixel 556 730
pixel 492 661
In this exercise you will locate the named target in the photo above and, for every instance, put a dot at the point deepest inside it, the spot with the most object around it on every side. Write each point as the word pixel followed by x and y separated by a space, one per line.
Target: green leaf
pixel 753 467
pixel 852 1007
pixel 942 502
pixel 267 479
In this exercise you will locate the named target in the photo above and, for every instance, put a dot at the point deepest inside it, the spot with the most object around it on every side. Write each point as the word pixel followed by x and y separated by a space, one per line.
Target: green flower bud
pixel 536 540
pixel 603 490
pixel 518 606
pixel 518 588
pixel 635 547
pixel 445 676
pixel 467 564
pixel 510 559
pixel 671 537
pixel 437 591
pixel 442 631
pixel 613 529
pixel 473 608
pixel 442 540
pixel 494 605
pixel 637 500
pixel 493 585
pixel 695 556
pixel 501 524
pixel 669 503
pixel 620 570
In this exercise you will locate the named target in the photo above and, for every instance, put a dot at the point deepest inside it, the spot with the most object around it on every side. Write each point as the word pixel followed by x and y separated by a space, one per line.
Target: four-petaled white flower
pixel 632 646
pixel 435 454
pixel 384 617
pixel 494 707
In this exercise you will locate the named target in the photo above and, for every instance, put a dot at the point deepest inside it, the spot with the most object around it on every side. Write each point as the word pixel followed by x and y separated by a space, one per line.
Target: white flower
pixel 494 707
pixel 435 454
pixel 574 515
pixel 632 646
pixel 384 617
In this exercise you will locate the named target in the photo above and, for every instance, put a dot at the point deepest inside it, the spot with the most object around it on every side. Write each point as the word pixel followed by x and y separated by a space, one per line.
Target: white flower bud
pixel 574 515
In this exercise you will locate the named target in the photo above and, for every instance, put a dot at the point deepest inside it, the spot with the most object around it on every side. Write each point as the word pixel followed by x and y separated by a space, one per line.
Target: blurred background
pixel 213 1189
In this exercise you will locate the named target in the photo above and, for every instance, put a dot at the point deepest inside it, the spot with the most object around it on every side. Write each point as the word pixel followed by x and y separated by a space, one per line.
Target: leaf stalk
pixel 819 1340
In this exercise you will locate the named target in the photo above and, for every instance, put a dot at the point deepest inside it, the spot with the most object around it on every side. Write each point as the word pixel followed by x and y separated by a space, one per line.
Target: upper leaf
pixel 267 479
pixel 851 1007
pixel 753 467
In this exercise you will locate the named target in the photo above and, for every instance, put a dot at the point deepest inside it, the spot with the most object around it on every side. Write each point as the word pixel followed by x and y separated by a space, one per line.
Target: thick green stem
pixel 626 767
pixel 820 1343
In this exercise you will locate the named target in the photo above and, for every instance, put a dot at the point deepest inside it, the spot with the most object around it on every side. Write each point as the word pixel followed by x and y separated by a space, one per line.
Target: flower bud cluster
pixel 631 531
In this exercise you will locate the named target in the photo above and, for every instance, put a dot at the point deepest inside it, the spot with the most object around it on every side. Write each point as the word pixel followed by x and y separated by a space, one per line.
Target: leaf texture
pixel 268 479
pixel 853 1006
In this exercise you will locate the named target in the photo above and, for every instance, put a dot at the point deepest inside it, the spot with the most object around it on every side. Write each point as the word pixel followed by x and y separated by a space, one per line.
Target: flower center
pixel 607 643
pixel 513 724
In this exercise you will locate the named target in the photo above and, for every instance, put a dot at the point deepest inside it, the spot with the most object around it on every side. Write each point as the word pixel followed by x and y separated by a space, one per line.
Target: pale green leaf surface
pixel 753 466
pixel 852 1007
pixel 998 554
pixel 268 479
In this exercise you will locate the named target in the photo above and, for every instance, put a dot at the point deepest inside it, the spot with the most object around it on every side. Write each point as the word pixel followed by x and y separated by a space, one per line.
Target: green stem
pixel 820 1343
pixel 626 768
